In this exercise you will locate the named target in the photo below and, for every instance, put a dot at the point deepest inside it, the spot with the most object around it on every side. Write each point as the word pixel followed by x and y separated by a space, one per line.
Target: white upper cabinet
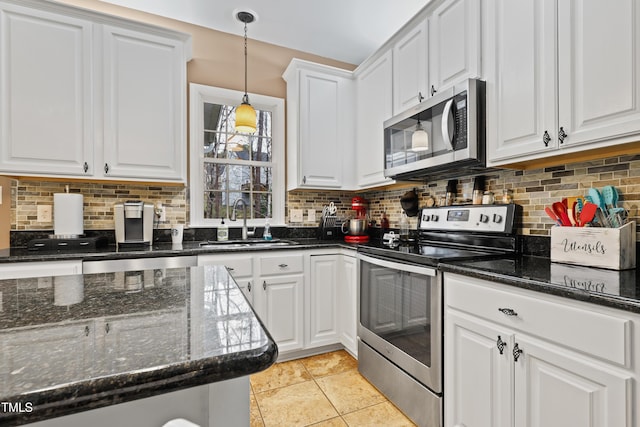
pixel 373 107
pixel 565 75
pixel 454 43
pixel 46 105
pixel 86 95
pixel 320 130
pixel 410 68
pixel 144 99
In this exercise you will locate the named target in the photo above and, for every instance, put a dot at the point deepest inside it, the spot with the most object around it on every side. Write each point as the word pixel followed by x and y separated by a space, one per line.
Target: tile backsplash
pixel 533 189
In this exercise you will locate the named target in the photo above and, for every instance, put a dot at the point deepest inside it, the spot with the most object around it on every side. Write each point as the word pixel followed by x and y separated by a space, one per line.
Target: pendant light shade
pixel 419 139
pixel 245 113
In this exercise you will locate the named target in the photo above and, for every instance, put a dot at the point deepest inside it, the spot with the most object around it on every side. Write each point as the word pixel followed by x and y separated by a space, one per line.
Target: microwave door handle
pixel 448 126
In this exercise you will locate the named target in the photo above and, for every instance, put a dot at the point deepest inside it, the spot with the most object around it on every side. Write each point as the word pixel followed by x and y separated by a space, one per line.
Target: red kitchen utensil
pixel 587 214
pixel 561 212
pixel 552 215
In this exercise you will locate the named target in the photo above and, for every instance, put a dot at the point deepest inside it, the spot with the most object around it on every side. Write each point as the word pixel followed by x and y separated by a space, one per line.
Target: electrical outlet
pixel 296 215
pixel 311 215
pixel 44 213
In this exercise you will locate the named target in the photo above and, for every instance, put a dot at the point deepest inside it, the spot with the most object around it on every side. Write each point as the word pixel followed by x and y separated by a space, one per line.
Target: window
pixel 227 166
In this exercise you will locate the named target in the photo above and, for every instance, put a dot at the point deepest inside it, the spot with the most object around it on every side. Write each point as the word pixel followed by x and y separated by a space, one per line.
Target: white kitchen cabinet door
pixel 599 69
pixel 478 375
pixel 46 93
pixel 374 106
pixel 347 303
pixel 46 356
pixel 410 69
pixel 454 43
pixel 323 310
pixel 283 308
pixel 145 102
pixel 320 126
pixel 522 105
pixel 134 342
pixel 558 388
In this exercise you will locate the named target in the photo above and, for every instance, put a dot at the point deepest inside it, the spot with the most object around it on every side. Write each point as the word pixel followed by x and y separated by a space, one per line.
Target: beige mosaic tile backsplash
pixel 533 189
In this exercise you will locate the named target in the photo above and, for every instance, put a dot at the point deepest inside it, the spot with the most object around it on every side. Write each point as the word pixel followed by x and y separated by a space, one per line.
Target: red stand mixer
pixel 356 228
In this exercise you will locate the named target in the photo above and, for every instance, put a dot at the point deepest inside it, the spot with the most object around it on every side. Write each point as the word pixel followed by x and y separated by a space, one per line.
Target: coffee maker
pixel 134 222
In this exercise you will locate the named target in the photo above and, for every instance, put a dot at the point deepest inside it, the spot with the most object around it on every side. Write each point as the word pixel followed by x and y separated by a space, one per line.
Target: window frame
pixel 200 94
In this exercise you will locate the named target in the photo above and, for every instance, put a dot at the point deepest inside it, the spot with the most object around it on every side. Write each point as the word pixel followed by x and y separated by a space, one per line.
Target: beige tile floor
pixel 324 391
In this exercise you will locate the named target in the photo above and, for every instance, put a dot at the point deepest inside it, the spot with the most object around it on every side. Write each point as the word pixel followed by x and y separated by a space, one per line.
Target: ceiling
pixel 344 30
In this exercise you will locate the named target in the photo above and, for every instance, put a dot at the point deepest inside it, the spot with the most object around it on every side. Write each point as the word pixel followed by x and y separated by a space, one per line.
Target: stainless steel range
pixel 400 329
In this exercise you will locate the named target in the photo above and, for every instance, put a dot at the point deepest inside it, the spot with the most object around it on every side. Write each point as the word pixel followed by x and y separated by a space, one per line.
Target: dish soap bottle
pixel 223 231
pixel 267 230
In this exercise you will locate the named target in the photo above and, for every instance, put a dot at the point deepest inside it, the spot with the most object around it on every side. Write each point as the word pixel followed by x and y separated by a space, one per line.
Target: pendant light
pixel 420 138
pixel 245 113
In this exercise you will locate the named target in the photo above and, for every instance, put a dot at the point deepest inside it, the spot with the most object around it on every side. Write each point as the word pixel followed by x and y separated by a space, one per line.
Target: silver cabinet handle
pixel 249 286
pixel 433 90
pixel 508 311
pixel 546 138
pixel 107 328
pixel 304 179
pixel 420 97
pixel 283 265
pixel 106 168
pixel 86 331
pixel 561 135
pixel 85 167
pixel 264 285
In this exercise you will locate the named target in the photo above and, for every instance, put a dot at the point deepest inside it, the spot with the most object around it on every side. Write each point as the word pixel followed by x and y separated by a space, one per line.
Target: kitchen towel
pixel 68 214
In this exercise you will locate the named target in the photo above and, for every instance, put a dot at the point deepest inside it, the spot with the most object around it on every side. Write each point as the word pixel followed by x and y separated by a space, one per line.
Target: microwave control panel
pixel 468 218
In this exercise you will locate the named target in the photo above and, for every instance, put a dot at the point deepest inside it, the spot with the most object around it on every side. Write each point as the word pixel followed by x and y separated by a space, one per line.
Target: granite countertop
pixel 73 343
pixel 22 254
pixel 611 288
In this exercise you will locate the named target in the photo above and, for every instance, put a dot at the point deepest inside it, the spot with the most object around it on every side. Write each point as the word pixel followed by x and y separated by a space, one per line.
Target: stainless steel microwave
pixel 441 137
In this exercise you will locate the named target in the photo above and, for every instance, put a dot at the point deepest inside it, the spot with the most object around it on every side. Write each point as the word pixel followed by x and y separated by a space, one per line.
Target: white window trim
pixel 198 95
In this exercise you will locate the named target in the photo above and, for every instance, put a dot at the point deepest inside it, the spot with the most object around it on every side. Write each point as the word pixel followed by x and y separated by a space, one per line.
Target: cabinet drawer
pixel 238 266
pixel 281 264
pixel 565 322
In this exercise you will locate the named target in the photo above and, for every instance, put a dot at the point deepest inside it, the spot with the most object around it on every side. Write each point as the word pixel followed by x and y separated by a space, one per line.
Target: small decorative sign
pixel 612 248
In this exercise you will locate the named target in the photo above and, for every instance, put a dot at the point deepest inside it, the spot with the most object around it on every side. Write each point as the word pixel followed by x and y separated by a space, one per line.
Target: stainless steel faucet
pixel 245 231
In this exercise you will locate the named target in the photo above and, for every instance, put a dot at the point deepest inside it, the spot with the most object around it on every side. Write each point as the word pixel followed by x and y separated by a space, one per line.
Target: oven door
pixel 401 316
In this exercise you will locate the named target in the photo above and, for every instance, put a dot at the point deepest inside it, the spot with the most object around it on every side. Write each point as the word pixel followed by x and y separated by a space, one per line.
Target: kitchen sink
pixel 251 243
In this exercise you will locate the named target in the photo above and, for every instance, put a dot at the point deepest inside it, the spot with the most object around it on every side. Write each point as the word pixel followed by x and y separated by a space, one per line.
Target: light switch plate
pixel 296 215
pixel 44 213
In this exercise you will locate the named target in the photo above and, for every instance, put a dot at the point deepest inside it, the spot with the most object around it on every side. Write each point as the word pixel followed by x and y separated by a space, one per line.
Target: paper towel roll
pixel 68 215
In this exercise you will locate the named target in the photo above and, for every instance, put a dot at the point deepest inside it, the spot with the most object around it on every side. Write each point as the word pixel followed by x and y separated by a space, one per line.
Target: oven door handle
pixel 426 271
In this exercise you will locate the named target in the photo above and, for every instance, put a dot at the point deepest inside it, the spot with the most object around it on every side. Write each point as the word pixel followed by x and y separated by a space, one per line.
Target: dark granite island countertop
pixel 75 343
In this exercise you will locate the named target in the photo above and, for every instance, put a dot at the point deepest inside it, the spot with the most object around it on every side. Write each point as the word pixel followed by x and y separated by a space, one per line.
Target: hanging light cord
pixel 245 98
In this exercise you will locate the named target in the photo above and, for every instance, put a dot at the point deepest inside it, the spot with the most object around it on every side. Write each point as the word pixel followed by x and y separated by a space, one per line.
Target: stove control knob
pixel 434 217
pixel 497 218
pixel 484 218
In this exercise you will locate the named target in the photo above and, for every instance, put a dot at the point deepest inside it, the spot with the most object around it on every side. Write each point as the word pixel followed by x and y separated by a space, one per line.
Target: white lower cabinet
pixel 306 299
pixel 520 358
pixel 323 293
pixel 347 303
